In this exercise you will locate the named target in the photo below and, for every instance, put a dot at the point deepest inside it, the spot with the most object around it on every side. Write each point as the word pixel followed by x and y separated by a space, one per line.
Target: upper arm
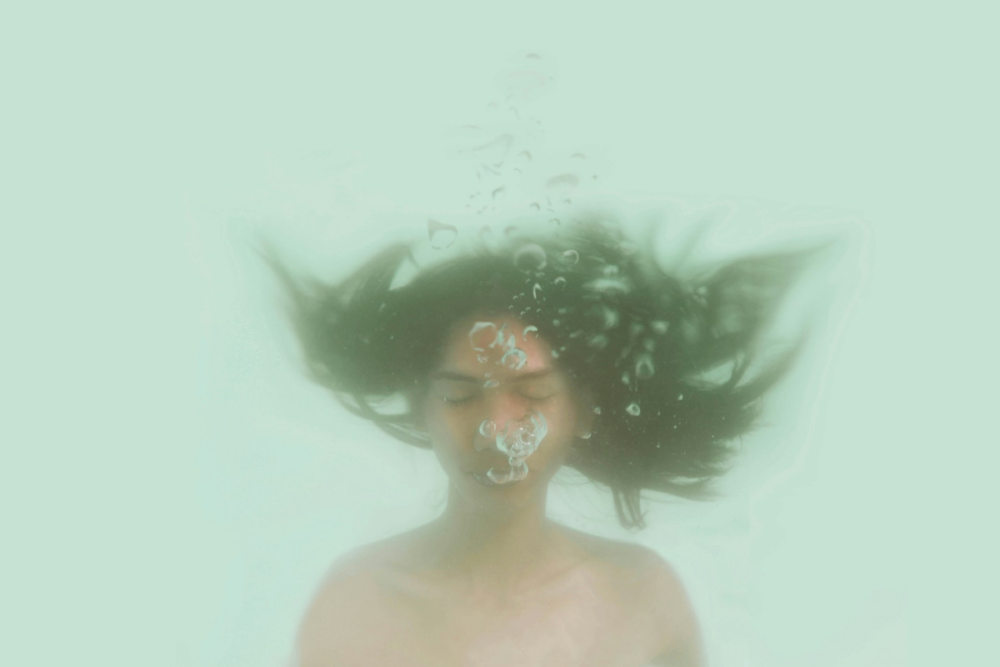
pixel 336 614
pixel 679 633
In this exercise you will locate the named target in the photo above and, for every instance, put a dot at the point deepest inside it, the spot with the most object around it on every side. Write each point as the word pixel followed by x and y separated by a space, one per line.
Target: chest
pixel 576 626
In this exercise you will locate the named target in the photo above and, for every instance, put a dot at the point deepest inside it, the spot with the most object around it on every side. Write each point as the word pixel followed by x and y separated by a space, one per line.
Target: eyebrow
pixel 461 377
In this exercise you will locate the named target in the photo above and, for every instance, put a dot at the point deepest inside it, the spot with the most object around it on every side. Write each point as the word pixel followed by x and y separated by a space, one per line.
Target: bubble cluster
pixel 518 440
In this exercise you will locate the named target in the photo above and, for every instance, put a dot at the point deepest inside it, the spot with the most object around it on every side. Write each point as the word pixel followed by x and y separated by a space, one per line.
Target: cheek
pixel 449 432
pixel 561 422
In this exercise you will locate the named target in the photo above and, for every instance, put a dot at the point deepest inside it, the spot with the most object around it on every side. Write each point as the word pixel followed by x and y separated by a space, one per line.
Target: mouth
pixel 486 481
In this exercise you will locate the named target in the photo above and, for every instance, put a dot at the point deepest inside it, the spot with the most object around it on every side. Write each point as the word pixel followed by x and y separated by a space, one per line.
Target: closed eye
pixel 457 401
pixel 469 399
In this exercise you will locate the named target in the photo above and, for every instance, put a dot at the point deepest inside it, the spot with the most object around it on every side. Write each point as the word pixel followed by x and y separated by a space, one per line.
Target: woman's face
pixel 500 415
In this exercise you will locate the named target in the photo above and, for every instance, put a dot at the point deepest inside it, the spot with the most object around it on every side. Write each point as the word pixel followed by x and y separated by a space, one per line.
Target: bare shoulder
pixel 655 596
pixel 348 603
pixel 631 562
pixel 667 602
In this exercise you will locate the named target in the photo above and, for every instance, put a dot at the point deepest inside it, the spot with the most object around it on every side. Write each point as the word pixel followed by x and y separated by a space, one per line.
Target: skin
pixel 493 582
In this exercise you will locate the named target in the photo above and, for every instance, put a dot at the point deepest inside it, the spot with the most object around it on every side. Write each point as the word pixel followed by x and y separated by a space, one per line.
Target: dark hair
pixel 645 344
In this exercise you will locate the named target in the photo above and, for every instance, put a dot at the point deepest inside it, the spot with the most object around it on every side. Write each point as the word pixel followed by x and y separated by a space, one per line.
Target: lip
pixel 486 481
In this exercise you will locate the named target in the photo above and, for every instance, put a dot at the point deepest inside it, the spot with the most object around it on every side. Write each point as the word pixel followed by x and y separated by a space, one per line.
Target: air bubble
pixel 514 359
pixel 518 470
pixel 633 409
pixel 559 282
pixel 536 290
pixel 600 341
pixel 608 285
pixel 530 258
pixel 482 358
pixel 597 409
pixel 563 183
pixel 611 317
pixel 491 383
pixel 478 331
pixel 441 235
pixel 530 329
pixel 504 338
pixel 660 326
pixel 644 367
pixel 488 428
pixel 571 257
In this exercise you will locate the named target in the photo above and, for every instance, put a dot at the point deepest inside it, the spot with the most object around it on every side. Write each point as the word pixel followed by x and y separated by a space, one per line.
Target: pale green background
pixel 170 490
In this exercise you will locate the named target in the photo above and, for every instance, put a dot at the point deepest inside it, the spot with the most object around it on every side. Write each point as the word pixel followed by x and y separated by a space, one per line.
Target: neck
pixel 495 552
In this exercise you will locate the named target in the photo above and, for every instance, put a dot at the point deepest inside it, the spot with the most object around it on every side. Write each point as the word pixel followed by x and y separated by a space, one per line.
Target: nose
pixel 501 407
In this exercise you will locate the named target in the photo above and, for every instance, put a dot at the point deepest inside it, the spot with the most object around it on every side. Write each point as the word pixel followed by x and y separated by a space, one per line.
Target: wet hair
pixel 664 360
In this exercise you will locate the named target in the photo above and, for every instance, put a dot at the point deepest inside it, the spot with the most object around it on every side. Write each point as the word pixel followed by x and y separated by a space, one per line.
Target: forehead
pixel 473 338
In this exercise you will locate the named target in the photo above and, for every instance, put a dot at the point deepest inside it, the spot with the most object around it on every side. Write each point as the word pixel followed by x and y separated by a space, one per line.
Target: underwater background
pixel 174 488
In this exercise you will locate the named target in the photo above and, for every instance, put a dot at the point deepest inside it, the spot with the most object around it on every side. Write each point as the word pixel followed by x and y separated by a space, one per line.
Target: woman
pixel 573 349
